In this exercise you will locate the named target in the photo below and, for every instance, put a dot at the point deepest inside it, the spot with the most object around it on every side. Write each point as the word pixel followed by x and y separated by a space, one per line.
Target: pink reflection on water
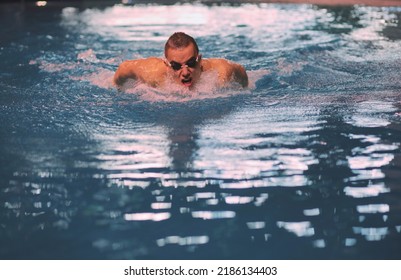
pixel 155 217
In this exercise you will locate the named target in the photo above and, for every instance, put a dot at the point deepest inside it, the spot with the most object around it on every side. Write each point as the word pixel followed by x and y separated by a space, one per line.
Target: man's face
pixel 184 64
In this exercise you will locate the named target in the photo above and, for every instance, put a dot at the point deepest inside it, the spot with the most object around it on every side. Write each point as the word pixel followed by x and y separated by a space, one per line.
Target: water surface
pixel 303 165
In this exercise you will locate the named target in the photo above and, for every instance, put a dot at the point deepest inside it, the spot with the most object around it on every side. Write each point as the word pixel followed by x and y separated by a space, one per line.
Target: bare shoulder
pixel 153 61
pixel 227 71
pixel 151 70
pixel 144 62
pixel 215 64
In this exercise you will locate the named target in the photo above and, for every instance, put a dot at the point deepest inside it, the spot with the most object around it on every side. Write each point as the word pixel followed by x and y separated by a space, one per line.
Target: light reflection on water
pixel 305 164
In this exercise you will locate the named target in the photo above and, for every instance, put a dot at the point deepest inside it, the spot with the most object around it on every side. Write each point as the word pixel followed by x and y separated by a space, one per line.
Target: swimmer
pixel 183 64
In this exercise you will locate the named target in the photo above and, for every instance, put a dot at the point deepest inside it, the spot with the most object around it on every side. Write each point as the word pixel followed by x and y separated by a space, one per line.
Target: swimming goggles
pixel 191 63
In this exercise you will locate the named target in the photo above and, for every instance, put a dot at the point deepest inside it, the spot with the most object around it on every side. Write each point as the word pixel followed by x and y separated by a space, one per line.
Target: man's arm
pixel 239 74
pixel 228 71
pixel 151 71
pixel 126 70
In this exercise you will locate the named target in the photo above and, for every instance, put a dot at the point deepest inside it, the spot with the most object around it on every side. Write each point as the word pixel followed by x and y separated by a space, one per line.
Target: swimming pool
pixel 305 164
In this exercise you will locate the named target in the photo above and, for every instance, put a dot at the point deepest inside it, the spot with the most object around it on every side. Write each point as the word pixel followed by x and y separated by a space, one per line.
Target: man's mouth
pixel 187 82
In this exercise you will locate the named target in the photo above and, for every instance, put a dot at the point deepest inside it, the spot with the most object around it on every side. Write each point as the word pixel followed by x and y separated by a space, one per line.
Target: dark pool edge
pixel 92 3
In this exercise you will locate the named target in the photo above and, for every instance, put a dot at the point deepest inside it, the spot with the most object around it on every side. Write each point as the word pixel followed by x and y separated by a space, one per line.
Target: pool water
pixel 305 164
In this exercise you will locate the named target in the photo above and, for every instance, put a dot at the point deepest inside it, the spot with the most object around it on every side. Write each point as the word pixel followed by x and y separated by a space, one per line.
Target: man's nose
pixel 185 70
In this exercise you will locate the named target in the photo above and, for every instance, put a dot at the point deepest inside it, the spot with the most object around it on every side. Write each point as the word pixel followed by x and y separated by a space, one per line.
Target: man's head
pixel 183 58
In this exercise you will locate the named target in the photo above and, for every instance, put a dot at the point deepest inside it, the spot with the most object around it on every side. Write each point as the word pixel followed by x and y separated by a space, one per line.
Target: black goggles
pixel 191 63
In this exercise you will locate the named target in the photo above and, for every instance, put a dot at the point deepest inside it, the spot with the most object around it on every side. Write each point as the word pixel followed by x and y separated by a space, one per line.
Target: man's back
pixel 183 65
pixel 154 72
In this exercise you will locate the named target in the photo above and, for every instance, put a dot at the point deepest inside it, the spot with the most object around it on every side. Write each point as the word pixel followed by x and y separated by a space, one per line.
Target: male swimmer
pixel 183 64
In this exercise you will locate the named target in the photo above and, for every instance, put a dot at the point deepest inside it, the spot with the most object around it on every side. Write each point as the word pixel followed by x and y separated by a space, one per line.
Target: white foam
pixel 88 55
pixel 206 88
pixel 102 78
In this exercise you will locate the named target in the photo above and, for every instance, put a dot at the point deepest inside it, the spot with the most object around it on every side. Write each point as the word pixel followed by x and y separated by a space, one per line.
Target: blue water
pixel 305 164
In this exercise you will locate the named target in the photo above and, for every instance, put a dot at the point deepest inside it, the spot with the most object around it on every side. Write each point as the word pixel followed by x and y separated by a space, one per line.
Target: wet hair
pixel 179 40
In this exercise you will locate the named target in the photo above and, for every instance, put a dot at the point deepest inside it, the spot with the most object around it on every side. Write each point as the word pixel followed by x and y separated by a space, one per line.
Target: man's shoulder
pixel 142 64
pixel 151 61
pixel 151 70
pixel 215 64
pixel 216 61
pixel 226 70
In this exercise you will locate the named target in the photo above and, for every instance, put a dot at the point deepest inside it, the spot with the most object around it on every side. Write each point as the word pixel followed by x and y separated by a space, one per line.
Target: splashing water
pixel 207 87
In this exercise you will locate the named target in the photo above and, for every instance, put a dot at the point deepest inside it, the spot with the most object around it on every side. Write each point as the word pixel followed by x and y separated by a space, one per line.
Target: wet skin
pixel 156 72
pixel 186 75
